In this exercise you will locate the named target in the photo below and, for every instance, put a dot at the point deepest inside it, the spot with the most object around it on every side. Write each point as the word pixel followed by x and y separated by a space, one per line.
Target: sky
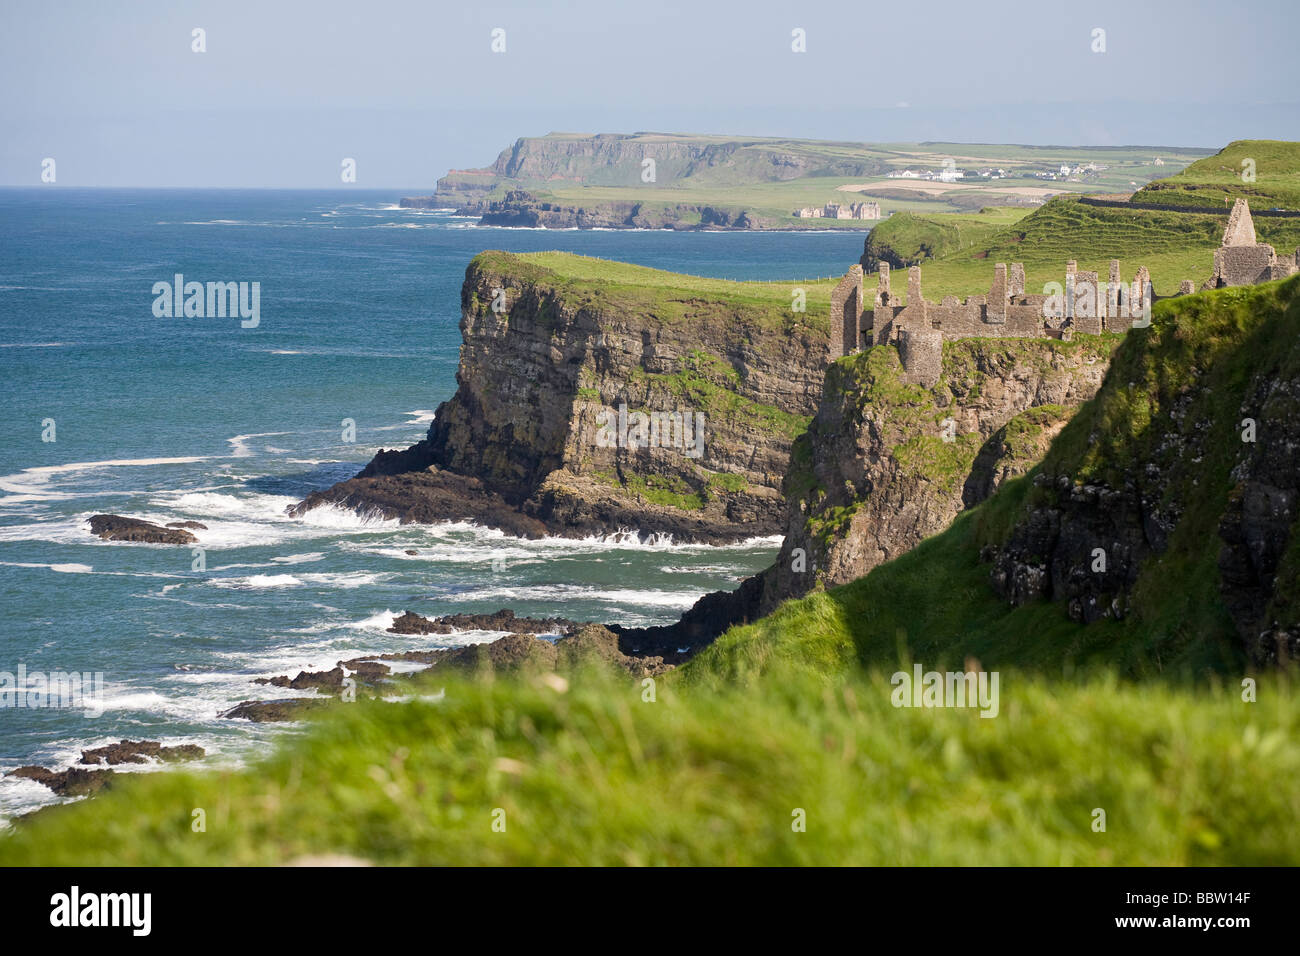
pixel 116 94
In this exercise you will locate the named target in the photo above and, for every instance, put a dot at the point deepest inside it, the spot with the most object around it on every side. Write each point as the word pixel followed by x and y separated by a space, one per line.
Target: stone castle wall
pixel 1085 304
pixel 1241 260
pixel 846 312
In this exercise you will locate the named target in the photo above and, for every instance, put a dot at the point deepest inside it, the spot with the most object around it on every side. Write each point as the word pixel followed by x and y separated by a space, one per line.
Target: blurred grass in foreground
pixel 594 775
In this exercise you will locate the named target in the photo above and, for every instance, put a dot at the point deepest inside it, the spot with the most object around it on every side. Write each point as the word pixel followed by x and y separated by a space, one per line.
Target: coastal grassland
pixel 1214 182
pixel 595 774
pixel 667 296
pixel 1172 245
pixel 906 239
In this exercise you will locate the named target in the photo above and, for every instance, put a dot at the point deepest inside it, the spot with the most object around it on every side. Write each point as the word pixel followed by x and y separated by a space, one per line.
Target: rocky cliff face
pixel 545 432
pixel 885 464
pixel 615 159
pixel 873 475
pixel 1175 495
pixel 511 191
pixel 521 208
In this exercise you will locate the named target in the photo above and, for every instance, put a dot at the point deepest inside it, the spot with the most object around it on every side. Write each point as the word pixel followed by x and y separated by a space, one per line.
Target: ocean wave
pixel 60 568
pixel 239 444
pixel 32 483
pixel 275 562
pixel 338 518
pixel 562 593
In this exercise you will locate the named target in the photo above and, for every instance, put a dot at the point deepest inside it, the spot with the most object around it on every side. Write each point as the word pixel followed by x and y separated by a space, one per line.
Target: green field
pixel 907 239
pixel 1216 181
pixel 1172 245
pixel 668 296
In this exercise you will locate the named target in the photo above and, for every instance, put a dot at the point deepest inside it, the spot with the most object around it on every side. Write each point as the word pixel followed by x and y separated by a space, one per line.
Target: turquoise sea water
pixel 175 419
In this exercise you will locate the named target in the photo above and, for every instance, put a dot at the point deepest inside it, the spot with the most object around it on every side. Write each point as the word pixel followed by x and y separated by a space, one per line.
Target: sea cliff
pixel 561 358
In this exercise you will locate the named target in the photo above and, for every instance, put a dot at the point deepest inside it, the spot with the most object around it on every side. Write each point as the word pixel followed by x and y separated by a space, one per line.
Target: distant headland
pixel 700 182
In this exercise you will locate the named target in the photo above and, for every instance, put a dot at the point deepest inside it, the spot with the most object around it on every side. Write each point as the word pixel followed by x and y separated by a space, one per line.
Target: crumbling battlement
pixel 1241 260
pixel 919 327
pixel 1081 304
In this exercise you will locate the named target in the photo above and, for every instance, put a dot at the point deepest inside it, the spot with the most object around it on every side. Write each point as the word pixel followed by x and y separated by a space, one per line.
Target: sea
pixel 109 407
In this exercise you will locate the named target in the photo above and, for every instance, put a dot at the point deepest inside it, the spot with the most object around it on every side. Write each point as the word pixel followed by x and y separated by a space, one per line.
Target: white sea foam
pixel 239 443
pixel 376 622
pixel 61 568
pixel 574 592
pixel 275 562
pixel 33 483
pixel 257 581
pixel 338 518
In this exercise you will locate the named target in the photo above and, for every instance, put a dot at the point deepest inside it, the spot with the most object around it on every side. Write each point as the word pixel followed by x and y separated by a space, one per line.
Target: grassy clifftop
pixel 908 239
pixel 1172 245
pixel 669 296
pixel 1271 168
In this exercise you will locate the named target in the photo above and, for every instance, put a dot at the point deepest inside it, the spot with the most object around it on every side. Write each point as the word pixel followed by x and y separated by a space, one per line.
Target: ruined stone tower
pixel 846 312
pixel 1241 260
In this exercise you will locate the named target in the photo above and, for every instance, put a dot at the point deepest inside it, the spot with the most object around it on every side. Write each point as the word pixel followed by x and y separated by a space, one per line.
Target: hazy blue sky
pixel 113 91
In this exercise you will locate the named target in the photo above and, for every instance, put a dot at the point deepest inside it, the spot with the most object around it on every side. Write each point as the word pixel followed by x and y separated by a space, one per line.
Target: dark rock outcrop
pixel 363 671
pixel 73 782
pixel 503 620
pixel 118 528
pixel 1186 466
pixel 140 751
pixel 590 645
pixel 267 711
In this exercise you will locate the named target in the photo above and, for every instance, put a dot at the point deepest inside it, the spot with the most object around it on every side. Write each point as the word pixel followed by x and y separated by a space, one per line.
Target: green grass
pixel 670 491
pixel 908 239
pixel 597 775
pixel 669 297
pixel 1216 181
pixel 1172 245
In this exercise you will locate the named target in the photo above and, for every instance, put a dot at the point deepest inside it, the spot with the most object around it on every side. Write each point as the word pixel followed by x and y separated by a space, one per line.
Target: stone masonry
pixel 919 327
pixel 1083 304
pixel 1240 260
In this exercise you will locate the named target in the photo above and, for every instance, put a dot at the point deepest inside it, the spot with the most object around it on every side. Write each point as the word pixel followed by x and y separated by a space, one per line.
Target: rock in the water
pixel 503 620
pixel 197 526
pixel 268 711
pixel 139 751
pixel 118 528
pixel 592 645
pixel 73 782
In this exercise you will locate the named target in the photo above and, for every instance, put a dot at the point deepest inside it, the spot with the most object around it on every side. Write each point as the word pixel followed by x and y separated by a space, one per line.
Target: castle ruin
pixel 832 210
pixel 1081 304
pixel 918 327
pixel 1241 260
